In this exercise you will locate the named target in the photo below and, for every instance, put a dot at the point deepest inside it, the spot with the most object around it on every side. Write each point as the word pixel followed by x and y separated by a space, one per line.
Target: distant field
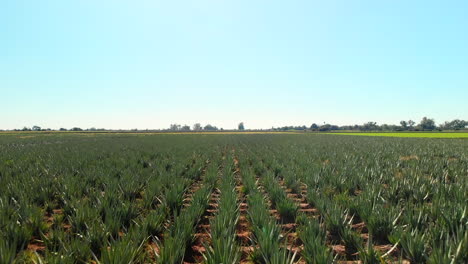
pixel 408 134
pixel 26 135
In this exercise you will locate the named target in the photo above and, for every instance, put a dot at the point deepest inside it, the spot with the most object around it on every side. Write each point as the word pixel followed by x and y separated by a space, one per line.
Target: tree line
pixel 199 127
pixel 426 124
pixel 38 128
pixel 172 127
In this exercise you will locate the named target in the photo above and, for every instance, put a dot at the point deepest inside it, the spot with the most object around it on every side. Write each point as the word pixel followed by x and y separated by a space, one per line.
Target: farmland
pixel 232 198
pixel 409 134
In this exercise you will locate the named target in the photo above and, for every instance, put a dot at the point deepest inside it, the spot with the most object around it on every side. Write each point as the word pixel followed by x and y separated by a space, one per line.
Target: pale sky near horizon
pixel 147 63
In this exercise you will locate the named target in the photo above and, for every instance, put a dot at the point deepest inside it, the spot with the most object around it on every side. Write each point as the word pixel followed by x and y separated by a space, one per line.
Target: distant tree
pixel 427 124
pixel 404 125
pixel 411 123
pixel 314 126
pixel 370 126
pixel 350 127
pixel 185 128
pixel 174 127
pixel 286 128
pixel 326 127
pixel 209 127
pixel 63 129
pixel 241 126
pixel 26 129
pixel 197 127
pixel 76 129
pixel 36 128
pixel 456 124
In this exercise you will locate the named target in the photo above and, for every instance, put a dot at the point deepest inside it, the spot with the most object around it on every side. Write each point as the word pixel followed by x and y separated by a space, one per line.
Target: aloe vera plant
pixel 314 237
pixel 123 251
pixel 154 222
pixel 352 241
pixel 287 210
pixel 369 255
pixel 7 252
pixel 414 245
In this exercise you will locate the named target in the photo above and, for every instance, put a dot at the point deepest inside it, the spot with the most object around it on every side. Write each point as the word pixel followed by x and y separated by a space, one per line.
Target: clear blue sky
pixel 147 64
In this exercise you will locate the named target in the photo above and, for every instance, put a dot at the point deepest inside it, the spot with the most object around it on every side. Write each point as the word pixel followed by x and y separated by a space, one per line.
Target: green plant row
pixel 266 232
pixel 224 247
pixel 179 236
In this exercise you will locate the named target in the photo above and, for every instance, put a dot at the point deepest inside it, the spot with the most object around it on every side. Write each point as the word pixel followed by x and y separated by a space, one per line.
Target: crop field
pixel 410 134
pixel 232 198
